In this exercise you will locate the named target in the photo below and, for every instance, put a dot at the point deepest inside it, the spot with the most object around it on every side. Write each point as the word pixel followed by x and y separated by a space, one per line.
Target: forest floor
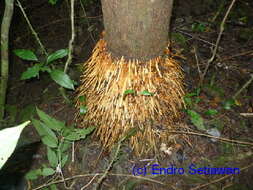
pixel 195 28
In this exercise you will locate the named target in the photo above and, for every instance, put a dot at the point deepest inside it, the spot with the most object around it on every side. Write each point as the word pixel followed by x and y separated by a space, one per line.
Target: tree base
pixel 123 94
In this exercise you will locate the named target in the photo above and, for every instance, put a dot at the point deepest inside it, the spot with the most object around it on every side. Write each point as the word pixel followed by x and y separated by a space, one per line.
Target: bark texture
pixel 136 29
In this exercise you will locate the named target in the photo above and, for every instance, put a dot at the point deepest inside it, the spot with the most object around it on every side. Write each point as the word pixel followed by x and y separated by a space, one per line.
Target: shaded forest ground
pixel 195 27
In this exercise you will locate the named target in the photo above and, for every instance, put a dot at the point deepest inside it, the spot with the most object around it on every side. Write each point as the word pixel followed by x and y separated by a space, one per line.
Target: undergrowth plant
pixel 57 137
pixel 48 65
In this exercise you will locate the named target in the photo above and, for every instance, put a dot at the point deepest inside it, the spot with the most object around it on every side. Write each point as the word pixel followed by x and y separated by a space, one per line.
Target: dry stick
pixel 210 136
pixel 97 174
pixel 32 29
pixel 109 166
pixel 197 61
pixel 244 86
pixel 217 41
pixel 5 28
pixel 220 179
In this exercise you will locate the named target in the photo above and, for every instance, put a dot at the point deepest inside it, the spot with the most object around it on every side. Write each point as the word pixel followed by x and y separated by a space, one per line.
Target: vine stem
pixel 5 28
pixel 32 29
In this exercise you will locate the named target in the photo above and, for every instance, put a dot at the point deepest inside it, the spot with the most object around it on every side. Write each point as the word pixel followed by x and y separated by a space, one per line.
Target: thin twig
pixel 88 23
pixel 194 37
pixel 236 55
pixel 89 182
pixel 32 29
pixel 218 40
pixel 220 179
pixel 210 136
pixel 5 28
pixel 243 87
pixel 197 61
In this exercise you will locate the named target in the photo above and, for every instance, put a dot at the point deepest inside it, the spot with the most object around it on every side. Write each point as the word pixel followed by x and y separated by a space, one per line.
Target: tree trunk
pixel 136 29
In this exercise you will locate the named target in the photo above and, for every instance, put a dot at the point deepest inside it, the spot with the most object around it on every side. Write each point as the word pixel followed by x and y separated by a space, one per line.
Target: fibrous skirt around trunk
pixel 123 94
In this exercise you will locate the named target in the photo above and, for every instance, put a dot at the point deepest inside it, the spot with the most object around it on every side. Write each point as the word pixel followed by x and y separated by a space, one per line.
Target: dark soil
pixel 226 75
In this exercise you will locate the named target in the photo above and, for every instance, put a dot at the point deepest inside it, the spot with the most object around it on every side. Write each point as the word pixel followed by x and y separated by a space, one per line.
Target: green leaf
pixel 50 121
pixel 52 187
pixel 57 55
pixel 33 174
pixel 196 119
pixel 147 93
pixel 47 171
pixel 52 157
pixel 129 92
pixel 211 112
pixel 78 134
pixel 47 135
pixel 83 109
pixel 64 160
pixel 9 138
pixel 45 69
pixel 31 72
pixel 62 79
pixel 52 2
pixel 188 101
pixel 64 146
pixel 82 98
pixel 229 103
pixel 25 54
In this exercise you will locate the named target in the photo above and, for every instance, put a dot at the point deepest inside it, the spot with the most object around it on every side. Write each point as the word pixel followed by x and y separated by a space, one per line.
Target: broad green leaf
pixel 83 109
pixel 9 138
pixel 196 119
pixel 211 112
pixel 52 157
pixel 62 79
pixel 147 93
pixel 31 72
pixel 25 54
pixel 129 92
pixel 78 134
pixel 47 135
pixel 50 121
pixel 47 171
pixel 57 55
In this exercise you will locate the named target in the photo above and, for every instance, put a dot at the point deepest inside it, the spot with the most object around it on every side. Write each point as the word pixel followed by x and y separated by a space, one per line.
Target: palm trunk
pixel 131 81
pixel 137 29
